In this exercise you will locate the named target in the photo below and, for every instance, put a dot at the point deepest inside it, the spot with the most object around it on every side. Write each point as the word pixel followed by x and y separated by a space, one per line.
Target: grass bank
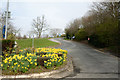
pixel 38 43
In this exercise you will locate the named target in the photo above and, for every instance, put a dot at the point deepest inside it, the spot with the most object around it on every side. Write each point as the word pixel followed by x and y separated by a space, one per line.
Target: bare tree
pixel 55 31
pixel 19 36
pixel 72 28
pixel 24 37
pixel 11 30
pixel 39 26
pixel 30 34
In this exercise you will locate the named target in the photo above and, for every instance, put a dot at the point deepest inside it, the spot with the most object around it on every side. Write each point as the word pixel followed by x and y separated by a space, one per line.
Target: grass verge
pixel 38 43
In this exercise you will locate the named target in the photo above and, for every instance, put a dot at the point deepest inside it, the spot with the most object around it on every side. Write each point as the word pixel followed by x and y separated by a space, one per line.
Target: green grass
pixel 38 43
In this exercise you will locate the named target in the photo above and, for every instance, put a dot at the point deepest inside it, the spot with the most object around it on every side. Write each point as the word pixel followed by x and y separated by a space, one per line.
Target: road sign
pixel 3 31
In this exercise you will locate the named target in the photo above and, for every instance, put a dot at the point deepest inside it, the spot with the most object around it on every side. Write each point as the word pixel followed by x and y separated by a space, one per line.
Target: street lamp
pixel 7 15
pixel 33 42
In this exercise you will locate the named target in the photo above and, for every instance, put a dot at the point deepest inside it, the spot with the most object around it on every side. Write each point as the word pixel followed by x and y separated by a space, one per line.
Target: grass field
pixel 38 43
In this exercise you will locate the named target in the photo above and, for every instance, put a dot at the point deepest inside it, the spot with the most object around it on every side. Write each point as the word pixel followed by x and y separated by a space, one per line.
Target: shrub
pixel 6 44
pixel 63 35
pixel 95 41
pixel 11 36
pixel 81 35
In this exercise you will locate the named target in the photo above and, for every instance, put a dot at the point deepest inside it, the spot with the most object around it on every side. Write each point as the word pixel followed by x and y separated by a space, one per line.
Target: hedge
pixel 7 44
pixel 95 41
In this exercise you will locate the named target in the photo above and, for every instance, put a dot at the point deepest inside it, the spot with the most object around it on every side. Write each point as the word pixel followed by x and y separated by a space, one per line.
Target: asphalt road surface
pixel 88 62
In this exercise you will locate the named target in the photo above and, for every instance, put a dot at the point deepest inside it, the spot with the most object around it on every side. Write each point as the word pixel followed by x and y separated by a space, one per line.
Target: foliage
pixel 7 44
pixel 94 40
pixel 63 35
pixel 81 34
pixel 101 24
pixel 11 36
pixel 72 28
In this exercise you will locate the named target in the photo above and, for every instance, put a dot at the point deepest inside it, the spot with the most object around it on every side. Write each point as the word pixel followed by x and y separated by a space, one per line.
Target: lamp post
pixel 33 42
pixel 6 19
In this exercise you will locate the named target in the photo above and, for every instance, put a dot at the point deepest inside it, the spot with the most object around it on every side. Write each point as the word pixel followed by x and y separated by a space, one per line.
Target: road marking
pixel 104 53
pixel 98 51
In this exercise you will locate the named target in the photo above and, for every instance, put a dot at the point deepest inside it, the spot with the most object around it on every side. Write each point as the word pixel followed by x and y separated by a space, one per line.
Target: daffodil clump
pixel 19 62
pixel 27 59
pixel 54 60
pixel 53 54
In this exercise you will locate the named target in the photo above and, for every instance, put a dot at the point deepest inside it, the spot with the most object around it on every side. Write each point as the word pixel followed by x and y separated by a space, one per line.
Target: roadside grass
pixel 38 43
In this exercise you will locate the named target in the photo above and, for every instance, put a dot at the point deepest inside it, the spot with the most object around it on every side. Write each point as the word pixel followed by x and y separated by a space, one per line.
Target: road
pixel 88 62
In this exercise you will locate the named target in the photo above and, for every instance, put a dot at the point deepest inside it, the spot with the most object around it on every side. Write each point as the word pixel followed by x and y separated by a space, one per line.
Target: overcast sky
pixel 57 14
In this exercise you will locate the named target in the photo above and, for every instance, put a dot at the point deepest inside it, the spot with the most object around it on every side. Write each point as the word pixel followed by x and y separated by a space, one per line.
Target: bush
pixel 11 36
pixel 95 41
pixel 6 44
pixel 81 35
pixel 63 35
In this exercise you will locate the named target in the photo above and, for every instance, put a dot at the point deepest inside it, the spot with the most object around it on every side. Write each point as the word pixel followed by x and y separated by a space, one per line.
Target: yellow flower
pixel 12 66
pixel 18 65
pixel 31 62
pixel 35 60
pixel 15 63
pixel 5 61
pixel 21 50
pixel 22 67
pixel 45 61
pixel 42 55
pixel 1 65
pixel 25 57
pixel 6 54
pixel 35 63
pixel 25 67
pixel 28 65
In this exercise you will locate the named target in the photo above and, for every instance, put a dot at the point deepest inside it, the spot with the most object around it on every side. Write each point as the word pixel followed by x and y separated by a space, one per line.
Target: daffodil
pixel 18 65
pixel 25 67
pixel 1 65
pixel 31 62
pixel 45 61
pixel 35 63
pixel 35 60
